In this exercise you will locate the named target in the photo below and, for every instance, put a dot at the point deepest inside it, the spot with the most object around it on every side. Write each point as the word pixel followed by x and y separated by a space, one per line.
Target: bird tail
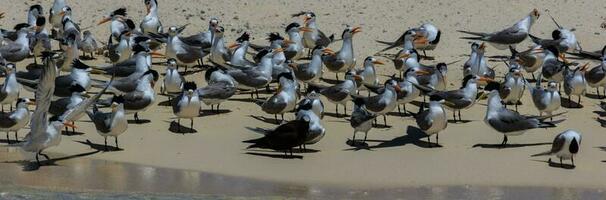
pixel 260 102
pixel 104 102
pixel 385 42
pixel 332 38
pixel 542 154
pixel 472 38
pixel 550 124
pixel 473 33
pixel 535 39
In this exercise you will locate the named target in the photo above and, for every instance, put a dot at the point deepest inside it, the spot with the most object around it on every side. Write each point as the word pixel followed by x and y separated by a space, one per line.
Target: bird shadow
pixel 29 166
pixel 594 96
pixel 273 155
pixel 335 115
pixel 33 66
pixel 86 57
pixel 70 133
pixel 380 126
pixel 331 81
pixel 459 121
pixel 603 148
pixel 165 103
pixel 266 120
pixel 360 145
pixel 180 129
pixel 140 121
pixel 557 165
pixel 399 114
pixel 499 146
pixel 190 72
pixel 205 113
pixel 11 143
pixel 601 121
pixel 566 103
pixel 99 147
pixel 246 100
pixel 413 136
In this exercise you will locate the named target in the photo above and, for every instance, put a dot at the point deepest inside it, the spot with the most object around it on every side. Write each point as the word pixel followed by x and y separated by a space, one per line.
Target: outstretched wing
pixel 44 94
pixel 70 114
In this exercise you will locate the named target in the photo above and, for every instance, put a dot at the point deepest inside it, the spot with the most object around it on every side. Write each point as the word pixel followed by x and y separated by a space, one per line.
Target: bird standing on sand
pixel 284 138
pixel 40 41
pixel 361 120
pixel 316 130
pixel 110 124
pixel 56 14
pixel 9 91
pixel 513 86
pixel 294 51
pixel 238 57
pixel 531 60
pixel 565 146
pixel 384 102
pixel 284 100
pixel 255 77
pixel 88 44
pixel 596 77
pixel 173 81
pixel 317 106
pixel 545 100
pixel 187 105
pixel 463 98
pixel 151 23
pixel 15 120
pixel 575 83
pixel 313 36
pixel 368 72
pixel 432 120
pixel 344 59
pixel 508 122
pixel 18 50
pixel 340 93
pixel 553 69
pixel 312 71
pixel 507 37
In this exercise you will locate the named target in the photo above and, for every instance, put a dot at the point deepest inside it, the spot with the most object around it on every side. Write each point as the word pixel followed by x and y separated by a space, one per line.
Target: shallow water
pixel 97 179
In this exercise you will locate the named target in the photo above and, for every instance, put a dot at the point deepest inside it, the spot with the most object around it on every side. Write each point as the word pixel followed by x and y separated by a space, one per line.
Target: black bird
pixel 284 138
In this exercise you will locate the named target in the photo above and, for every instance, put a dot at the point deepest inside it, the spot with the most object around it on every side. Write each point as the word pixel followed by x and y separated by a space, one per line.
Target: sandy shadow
pixel 180 129
pixel 331 81
pixel 70 133
pixel 205 113
pixel 165 103
pixel 246 100
pixel 274 155
pixel 33 166
pixel 190 71
pixel 340 115
pixel 557 164
pixel 141 121
pixel 87 57
pixel 600 113
pixel 499 146
pixel 452 121
pixel 601 121
pixel 267 120
pixel 570 104
pixel 603 148
pixel 413 136
pixel 594 96
pixel 99 147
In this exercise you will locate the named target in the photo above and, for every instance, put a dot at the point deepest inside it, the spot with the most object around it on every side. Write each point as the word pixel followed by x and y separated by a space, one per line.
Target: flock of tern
pixel 295 64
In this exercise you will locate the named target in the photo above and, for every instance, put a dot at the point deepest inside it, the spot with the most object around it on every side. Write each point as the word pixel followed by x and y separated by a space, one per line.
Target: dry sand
pixel 395 159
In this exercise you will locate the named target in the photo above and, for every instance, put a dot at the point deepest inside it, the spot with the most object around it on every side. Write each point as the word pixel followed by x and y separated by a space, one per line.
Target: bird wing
pixel 595 75
pixel 323 40
pixel 424 120
pixel 6 121
pixel 70 114
pixel 558 143
pixel 508 36
pixel 360 117
pixel 509 121
pixel 44 94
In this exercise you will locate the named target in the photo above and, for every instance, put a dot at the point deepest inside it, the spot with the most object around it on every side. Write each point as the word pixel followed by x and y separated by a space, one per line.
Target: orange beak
pixel 148 8
pixel 293 66
pixel 356 30
pixel 233 45
pixel 1 15
pixel 279 50
pixel 287 42
pixel 305 29
pixel 157 55
pixel 377 62
pixel 329 51
pixel 104 20
pixel 404 56
pixel 483 45
pixel 485 79
pixel 357 77
pixel 419 39
pixel 422 72
pixel 584 67
pixel 306 19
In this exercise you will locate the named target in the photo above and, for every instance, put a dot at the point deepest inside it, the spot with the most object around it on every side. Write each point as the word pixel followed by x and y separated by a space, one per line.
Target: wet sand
pixel 397 156
pixel 83 178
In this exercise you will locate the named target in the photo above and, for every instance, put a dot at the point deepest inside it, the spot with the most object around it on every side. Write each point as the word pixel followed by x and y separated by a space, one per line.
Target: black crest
pixel 274 36
pixel 79 64
pixel 261 54
pixel 189 86
pixel 292 25
pixel 118 99
pixel 154 73
pixel 244 37
pixel 21 26
pixel 286 75
pixel 76 88
pixel 40 21
pixel 119 11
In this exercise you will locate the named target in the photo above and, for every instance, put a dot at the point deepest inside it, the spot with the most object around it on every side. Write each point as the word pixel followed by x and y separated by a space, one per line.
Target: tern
pixel 477 64
pixel 313 36
pixel 433 120
pixel 316 130
pixel 80 75
pixel 88 44
pixel 432 37
pixel 216 93
pixel 40 42
pixel 238 58
pixel 219 53
pixel 545 100
pixel 531 60
pixel 344 59
pixel 553 69
pixel 15 120
pixel 183 51
pixel 187 104
pixel 9 91
pixel 62 105
pixel 256 77
pixel 317 106
pixel 173 81
pixel 509 36
pixel 18 50
pixel 140 98
pixel 312 71
pixel 56 14
pixel 565 146
pixel 596 77
pixel 284 100
pixel 340 93
pixel 463 98
pixel 384 102
pixel 151 23
pixel 408 91
pixel 119 22
pixel 284 138
pixel 575 83
pixel 510 123
pixel 369 73
pixel 294 51
pixel 110 124
pixel 361 119
pixel 513 86
pixel 408 56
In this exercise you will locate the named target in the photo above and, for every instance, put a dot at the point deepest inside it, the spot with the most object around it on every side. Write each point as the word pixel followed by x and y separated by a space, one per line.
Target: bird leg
pixel 561 164
pixel 438 138
pixel 116 140
pixel 179 125
pixel 365 135
pixel 429 141
pixel 345 109
pixel 37 159
pixel 276 118
pixel 8 140
pixel 597 90
pixel 218 107
pixel 580 101
pixel 399 112
pixel 45 156
pixel 282 116
pixel 106 149
pixel 337 109
pixel 16 138
pixel 73 127
pixel 384 120
pixel 137 117
pixel 191 124
pixel 460 116
pixel 337 76
pixel 572 159
pixel 454 116
pixel 353 140
pixel 504 143
pixel 257 93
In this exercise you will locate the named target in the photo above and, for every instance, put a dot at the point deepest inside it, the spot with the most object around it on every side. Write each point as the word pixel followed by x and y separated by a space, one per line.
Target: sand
pixel 394 159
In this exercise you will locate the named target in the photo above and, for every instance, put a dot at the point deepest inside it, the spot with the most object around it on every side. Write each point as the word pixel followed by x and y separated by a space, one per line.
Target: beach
pixel 396 157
